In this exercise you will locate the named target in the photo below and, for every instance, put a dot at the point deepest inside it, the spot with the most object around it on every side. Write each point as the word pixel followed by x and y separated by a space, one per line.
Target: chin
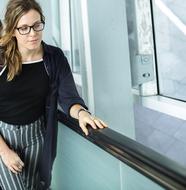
pixel 34 46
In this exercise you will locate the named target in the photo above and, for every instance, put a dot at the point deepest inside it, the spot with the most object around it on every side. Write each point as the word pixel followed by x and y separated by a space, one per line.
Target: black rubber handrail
pixel 153 165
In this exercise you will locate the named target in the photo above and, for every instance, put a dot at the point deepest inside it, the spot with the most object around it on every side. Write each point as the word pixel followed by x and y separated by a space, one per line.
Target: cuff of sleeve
pixel 80 103
pixel 82 109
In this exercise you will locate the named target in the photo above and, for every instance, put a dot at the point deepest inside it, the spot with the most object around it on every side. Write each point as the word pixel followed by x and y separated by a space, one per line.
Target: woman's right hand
pixel 12 160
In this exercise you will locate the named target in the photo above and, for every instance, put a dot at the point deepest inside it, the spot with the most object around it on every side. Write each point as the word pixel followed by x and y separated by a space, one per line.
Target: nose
pixel 32 32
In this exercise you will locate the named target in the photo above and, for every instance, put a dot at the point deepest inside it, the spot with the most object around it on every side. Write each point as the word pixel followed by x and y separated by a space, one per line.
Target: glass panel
pixel 81 165
pixel 141 46
pixel 132 36
pixel 75 17
pixel 55 23
pixel 170 35
pixel 65 29
pixel 159 131
pixel 133 180
pixel 69 11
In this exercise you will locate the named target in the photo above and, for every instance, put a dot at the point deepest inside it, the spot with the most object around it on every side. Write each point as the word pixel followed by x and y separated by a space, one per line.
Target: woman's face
pixel 27 38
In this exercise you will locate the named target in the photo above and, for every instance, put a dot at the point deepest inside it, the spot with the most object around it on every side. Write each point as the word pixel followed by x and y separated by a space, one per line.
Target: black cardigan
pixel 62 91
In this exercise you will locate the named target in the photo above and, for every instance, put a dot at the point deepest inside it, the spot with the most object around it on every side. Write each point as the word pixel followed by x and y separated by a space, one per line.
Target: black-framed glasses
pixel 37 27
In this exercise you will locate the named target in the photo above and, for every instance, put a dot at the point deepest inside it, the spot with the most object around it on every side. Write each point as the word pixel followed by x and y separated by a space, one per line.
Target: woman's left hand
pixel 85 118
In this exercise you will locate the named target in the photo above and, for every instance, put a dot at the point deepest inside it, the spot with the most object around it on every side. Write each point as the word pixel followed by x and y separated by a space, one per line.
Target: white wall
pixel 2 8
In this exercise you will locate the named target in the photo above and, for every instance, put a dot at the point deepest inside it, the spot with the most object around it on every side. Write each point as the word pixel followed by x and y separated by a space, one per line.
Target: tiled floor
pixel 163 133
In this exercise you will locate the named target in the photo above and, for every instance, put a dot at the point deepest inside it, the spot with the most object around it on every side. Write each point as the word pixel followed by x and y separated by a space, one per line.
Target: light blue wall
pixel 111 64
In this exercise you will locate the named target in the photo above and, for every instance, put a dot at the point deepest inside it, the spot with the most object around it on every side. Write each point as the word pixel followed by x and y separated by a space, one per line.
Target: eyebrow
pixel 38 21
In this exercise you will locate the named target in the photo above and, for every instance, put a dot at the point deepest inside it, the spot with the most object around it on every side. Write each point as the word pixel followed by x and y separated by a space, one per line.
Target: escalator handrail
pixel 162 170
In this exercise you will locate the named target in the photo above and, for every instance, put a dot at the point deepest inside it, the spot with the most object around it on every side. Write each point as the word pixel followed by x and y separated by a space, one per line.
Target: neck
pixel 32 55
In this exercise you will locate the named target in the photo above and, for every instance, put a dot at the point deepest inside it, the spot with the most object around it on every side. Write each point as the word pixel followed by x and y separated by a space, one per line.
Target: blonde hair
pixel 1 27
pixel 11 55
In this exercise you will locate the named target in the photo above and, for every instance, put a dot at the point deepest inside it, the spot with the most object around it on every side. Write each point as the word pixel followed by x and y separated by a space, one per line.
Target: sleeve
pixel 67 92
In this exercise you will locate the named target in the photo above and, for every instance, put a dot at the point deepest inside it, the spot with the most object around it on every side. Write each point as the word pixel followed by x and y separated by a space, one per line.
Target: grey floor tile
pixel 177 152
pixel 168 124
pixel 161 132
pixel 159 141
pixel 146 115
pixel 143 131
pixel 181 133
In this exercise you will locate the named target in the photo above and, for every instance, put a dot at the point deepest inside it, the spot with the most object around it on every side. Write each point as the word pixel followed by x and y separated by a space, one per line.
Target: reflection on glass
pixel 55 23
pixel 161 132
pixel 132 36
pixel 74 7
pixel 170 33
pixel 69 35
pixel 65 29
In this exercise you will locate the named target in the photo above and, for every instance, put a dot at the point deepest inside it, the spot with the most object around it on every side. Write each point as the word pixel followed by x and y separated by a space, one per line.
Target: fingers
pixel 83 124
pixel 13 170
pixel 21 163
pixel 12 161
pixel 103 123
pixel 17 167
pixel 98 123
pixel 84 129
pixel 93 122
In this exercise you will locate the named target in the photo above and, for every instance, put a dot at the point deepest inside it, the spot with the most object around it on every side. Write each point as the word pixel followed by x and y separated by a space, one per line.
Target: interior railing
pixel 151 164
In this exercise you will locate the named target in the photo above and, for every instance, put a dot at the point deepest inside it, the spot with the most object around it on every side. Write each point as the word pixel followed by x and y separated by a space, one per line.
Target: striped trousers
pixel 27 141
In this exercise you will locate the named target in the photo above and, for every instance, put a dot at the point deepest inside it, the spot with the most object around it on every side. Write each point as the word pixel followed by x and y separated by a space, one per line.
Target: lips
pixel 35 40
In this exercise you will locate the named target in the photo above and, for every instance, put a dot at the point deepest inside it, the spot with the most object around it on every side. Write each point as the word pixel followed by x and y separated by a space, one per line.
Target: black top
pixel 22 100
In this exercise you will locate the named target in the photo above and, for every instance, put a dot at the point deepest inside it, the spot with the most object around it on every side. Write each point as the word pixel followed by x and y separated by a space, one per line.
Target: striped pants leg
pixel 27 141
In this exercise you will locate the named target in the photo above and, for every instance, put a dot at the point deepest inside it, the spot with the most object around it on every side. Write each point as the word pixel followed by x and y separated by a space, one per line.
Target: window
pixel 170 37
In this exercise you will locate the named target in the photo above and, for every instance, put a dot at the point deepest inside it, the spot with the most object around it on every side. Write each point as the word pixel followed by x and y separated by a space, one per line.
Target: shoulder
pixel 55 58
pixel 52 50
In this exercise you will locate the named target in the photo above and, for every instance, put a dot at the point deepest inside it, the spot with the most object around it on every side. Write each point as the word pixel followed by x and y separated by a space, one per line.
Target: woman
pixel 28 113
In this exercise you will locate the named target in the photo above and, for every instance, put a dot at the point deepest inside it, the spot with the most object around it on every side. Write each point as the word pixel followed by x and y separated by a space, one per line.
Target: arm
pixel 67 92
pixel 71 102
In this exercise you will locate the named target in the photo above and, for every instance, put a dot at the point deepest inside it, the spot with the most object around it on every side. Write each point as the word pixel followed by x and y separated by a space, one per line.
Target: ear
pixel 13 35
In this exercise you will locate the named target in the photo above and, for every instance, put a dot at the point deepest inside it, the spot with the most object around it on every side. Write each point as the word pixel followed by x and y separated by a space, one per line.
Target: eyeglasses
pixel 37 27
